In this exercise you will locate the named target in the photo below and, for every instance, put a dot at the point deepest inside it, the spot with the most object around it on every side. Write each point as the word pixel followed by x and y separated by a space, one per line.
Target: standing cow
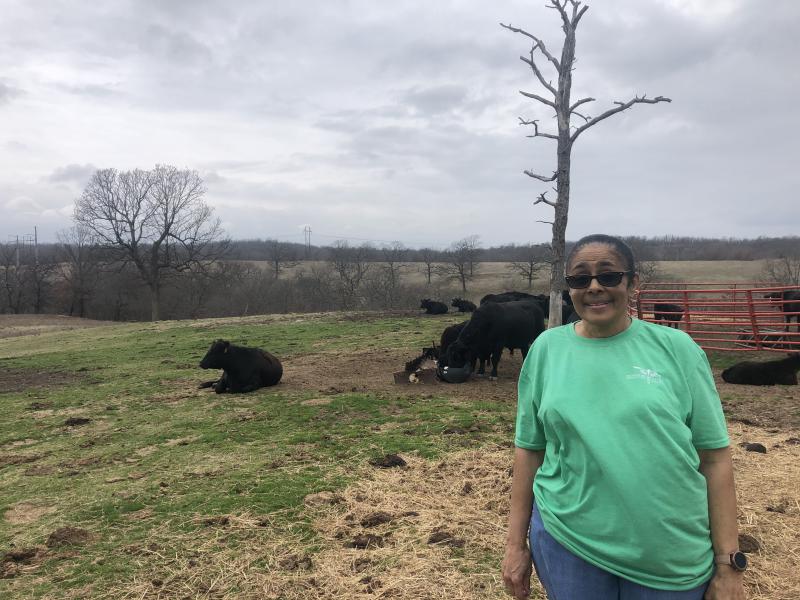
pixel 789 305
pixel 244 369
pixel 495 326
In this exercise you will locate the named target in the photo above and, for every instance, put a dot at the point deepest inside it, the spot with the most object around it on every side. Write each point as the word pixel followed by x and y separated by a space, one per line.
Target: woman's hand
pixel 725 585
pixel 517 568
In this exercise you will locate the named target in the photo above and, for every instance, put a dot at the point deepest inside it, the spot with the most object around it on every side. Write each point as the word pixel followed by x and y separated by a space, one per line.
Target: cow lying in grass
pixel 244 369
pixel 772 372
pixel 433 307
pixel 463 305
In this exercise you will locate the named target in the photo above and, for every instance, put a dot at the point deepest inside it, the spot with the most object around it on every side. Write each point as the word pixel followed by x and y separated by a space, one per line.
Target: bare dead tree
pixel 11 280
pixel 38 280
pixel 281 256
pixel 79 265
pixel 532 259
pixel 155 220
pixel 784 270
pixel 394 255
pixel 461 261
pixel 428 257
pixel 351 264
pixel 557 97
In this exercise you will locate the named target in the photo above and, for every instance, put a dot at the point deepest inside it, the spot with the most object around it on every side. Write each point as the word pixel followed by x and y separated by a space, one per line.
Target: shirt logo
pixel 647 375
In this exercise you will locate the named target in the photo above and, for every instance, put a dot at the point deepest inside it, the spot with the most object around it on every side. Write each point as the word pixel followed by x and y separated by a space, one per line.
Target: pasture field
pixel 497 276
pixel 121 479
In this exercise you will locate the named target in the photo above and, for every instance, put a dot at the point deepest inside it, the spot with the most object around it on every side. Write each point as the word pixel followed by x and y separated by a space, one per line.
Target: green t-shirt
pixel 620 420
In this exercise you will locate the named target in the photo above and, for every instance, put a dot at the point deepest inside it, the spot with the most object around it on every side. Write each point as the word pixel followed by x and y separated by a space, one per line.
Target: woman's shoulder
pixel 675 338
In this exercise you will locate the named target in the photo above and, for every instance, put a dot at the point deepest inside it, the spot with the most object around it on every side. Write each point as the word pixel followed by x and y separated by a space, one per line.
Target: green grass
pixel 156 444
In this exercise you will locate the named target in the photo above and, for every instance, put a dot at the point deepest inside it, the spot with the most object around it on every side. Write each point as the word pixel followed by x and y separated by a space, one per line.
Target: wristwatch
pixel 736 560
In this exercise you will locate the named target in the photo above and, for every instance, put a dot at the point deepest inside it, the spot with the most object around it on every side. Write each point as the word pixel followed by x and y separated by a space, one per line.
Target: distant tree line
pixel 666 248
pixel 80 276
pixel 145 245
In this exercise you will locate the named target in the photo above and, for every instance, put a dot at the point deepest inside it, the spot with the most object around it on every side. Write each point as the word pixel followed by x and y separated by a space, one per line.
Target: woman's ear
pixel 633 283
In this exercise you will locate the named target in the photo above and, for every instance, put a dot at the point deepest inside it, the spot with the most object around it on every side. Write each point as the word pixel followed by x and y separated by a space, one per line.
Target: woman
pixel 621 439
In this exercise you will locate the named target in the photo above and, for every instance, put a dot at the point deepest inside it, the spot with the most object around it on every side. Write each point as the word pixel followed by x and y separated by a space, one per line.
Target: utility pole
pixel 307 236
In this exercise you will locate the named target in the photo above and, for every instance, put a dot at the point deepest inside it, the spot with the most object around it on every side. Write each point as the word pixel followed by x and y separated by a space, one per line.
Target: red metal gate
pixel 725 316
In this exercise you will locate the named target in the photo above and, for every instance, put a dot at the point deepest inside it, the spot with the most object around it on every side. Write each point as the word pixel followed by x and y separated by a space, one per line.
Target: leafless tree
pixel 281 256
pixel 155 220
pixel 557 98
pixel 79 266
pixel 784 270
pixel 11 280
pixel 428 257
pixel 461 260
pixel 532 259
pixel 38 281
pixel 351 264
pixel 394 255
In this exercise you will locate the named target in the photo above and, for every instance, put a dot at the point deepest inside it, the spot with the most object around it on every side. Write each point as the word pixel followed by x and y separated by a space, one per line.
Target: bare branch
pixel 548 222
pixel 562 10
pixel 577 14
pixel 539 44
pixel 579 102
pixel 537 72
pixel 542 198
pixel 541 177
pixel 587 119
pixel 536 132
pixel 620 107
pixel 539 98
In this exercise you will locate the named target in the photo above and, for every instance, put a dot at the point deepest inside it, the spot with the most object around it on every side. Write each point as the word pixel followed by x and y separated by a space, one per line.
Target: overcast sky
pixel 399 120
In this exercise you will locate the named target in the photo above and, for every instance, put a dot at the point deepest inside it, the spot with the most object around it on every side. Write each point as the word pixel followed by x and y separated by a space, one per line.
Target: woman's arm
pixel 517 561
pixel 717 467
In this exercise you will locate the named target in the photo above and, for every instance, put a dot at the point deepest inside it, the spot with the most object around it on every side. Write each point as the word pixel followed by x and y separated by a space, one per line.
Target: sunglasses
pixel 607 279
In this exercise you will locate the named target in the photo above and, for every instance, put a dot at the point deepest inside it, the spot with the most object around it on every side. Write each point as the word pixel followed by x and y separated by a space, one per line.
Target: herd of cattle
pixel 511 320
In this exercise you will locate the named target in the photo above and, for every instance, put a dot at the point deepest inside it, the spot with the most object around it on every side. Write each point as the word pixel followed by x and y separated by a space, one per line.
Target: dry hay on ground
pixel 435 529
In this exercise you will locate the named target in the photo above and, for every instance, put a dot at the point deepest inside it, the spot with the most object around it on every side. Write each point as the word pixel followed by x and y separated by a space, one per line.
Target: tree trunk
pixel 564 151
pixel 155 302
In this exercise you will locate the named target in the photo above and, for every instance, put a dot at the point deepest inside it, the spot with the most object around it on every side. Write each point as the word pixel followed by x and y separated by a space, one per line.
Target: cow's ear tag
pixel 226 349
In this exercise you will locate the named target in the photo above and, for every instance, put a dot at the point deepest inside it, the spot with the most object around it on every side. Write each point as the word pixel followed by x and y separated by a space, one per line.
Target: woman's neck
pixel 587 330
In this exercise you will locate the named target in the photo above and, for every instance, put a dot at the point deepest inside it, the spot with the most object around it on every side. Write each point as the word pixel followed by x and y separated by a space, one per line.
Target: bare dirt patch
pixel 21 380
pixel 372 371
pixel 27 512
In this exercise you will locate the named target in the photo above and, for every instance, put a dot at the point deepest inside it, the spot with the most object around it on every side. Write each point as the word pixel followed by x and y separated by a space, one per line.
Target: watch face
pixel 739 561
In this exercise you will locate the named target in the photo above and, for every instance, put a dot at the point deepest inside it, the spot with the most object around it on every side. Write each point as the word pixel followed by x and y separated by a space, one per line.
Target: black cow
pixel 507 297
pixel 244 369
pixel 495 326
pixel 790 303
pixel 773 372
pixel 449 336
pixel 433 307
pixel 463 305
pixel 670 314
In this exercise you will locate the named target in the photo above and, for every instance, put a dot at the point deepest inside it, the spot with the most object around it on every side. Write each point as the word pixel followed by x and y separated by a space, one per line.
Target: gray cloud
pixel 7 92
pixel 76 174
pixel 400 120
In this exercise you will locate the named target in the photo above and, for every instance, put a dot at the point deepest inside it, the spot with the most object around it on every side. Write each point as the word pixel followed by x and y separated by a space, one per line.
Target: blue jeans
pixel 569 577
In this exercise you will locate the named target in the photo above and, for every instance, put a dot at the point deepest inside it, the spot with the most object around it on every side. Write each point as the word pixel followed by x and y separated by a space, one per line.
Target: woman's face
pixel 603 310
